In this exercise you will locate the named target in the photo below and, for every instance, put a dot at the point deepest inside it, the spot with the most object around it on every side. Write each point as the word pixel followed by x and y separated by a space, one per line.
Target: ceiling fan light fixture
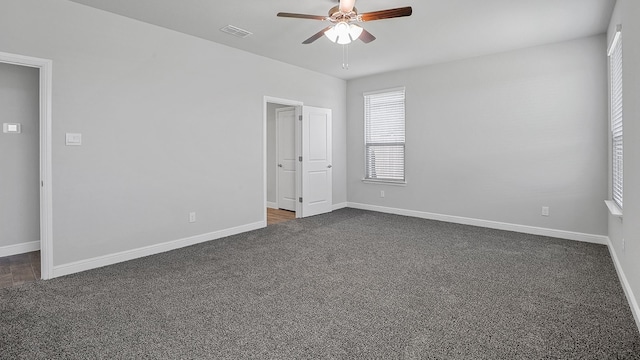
pixel 355 31
pixel 342 29
pixel 344 40
pixel 331 34
pixel 342 33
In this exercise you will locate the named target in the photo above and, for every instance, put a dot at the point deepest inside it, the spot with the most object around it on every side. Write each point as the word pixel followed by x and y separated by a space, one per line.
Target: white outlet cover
pixel 73 139
pixel 11 128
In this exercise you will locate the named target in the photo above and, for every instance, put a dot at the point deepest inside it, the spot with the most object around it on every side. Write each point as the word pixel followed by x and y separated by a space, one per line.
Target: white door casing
pixel 316 161
pixel 286 158
pixel 46 188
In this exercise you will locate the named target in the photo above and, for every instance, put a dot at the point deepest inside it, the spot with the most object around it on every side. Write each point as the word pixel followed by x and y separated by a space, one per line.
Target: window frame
pixel 390 181
pixel 616 121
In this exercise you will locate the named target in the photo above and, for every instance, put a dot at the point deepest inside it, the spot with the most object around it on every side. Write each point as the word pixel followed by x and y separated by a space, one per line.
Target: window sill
pixel 613 208
pixel 385 182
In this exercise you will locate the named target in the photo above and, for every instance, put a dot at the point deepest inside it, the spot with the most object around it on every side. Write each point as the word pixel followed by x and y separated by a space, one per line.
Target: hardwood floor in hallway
pixel 275 216
pixel 19 269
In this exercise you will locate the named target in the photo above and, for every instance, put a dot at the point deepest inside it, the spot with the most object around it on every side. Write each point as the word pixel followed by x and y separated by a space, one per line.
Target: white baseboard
pixel 19 248
pixel 562 234
pixel 272 205
pixel 100 261
pixel 339 206
pixel 633 302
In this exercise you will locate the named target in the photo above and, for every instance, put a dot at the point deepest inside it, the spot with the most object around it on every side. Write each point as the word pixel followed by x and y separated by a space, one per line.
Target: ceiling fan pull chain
pixel 345 57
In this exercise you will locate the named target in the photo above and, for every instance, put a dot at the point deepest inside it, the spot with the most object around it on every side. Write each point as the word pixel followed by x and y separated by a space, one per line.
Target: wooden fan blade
pixel 317 35
pixel 386 14
pixel 302 16
pixel 366 37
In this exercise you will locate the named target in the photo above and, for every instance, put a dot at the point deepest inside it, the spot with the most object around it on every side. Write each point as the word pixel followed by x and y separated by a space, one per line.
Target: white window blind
pixel 384 119
pixel 615 68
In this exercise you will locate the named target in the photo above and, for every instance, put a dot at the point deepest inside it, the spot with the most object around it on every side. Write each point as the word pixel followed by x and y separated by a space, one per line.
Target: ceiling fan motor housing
pixel 336 15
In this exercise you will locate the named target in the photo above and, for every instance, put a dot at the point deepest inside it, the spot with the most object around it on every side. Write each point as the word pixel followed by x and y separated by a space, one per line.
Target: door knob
pixel 279 165
pixel 329 166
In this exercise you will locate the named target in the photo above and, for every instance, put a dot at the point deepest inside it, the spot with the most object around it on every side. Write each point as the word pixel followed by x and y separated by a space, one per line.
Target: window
pixel 615 69
pixel 384 135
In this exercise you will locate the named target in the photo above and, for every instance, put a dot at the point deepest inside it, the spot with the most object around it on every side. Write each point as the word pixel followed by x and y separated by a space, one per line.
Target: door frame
pixel 45 67
pixel 278 150
pixel 298 105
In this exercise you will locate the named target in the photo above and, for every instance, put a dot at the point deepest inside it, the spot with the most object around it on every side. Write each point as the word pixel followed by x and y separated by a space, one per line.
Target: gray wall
pixel 171 124
pixel 272 161
pixel 627 13
pixel 19 156
pixel 498 137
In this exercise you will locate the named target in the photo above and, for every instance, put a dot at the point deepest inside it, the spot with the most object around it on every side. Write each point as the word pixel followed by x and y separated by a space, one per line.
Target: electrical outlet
pixel 192 217
pixel 381 193
pixel 545 211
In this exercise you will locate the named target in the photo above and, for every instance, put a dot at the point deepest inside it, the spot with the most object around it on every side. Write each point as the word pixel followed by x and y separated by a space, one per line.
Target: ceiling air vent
pixel 236 31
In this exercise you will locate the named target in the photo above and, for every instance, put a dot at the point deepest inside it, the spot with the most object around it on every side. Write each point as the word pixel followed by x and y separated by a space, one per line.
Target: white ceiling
pixel 438 31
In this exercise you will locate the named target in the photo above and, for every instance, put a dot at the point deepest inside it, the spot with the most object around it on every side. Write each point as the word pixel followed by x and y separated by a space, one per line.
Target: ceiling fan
pixel 343 17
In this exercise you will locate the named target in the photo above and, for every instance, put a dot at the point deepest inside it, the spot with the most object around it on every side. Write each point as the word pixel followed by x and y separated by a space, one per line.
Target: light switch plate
pixel 11 128
pixel 73 139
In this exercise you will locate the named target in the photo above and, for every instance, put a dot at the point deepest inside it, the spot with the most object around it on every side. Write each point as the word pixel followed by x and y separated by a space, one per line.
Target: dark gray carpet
pixel 351 284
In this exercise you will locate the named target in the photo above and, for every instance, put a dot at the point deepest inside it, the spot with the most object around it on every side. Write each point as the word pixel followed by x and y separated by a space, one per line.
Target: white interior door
pixel 286 156
pixel 316 161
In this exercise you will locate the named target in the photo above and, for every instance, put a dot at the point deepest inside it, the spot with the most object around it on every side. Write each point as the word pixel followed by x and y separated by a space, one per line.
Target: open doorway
pixel 23 247
pixel 309 167
pixel 20 179
pixel 281 160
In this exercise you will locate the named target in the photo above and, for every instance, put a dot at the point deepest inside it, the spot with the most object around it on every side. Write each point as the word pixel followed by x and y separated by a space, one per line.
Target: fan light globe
pixel 342 29
pixel 343 33
pixel 355 31
pixel 344 40
pixel 331 34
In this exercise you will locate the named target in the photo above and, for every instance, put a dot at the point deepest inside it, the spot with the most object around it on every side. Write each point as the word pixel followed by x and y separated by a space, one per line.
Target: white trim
pixel 385 182
pixel 562 234
pixel 280 101
pixel 633 302
pixel 339 206
pixel 46 200
pixel 100 261
pixel 381 91
pixel 613 208
pixel 299 168
pixel 22 248
pixel 616 38
pixel 272 205
pixel 277 141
